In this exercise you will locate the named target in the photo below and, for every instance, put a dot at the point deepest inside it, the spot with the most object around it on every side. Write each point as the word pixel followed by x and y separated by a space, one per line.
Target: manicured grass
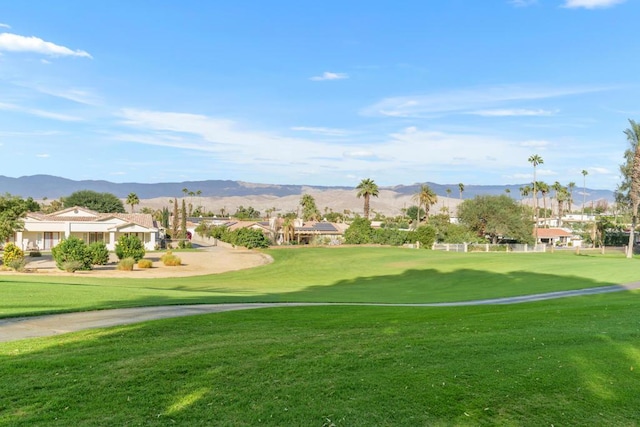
pixel 565 362
pixel 330 275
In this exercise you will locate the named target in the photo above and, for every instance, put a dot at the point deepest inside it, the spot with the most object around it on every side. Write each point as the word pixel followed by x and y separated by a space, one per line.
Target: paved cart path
pixel 18 328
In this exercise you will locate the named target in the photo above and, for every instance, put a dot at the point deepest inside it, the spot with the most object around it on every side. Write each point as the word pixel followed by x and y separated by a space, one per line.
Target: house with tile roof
pixel 557 237
pixel 44 231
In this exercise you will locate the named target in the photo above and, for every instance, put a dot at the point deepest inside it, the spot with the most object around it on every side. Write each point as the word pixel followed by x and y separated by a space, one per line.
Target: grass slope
pixel 565 362
pixel 392 275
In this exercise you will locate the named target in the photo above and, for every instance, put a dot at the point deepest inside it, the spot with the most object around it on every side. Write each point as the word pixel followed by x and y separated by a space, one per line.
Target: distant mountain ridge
pixel 54 187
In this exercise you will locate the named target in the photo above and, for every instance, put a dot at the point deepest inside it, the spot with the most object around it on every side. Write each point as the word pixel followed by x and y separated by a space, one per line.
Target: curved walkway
pixel 18 328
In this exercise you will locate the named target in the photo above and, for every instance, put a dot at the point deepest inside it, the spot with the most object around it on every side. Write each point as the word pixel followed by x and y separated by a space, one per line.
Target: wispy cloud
pixel 469 100
pixel 39 113
pixel 321 130
pixel 15 43
pixel 522 3
pixel 591 4
pixel 43 156
pixel 512 112
pixel 535 144
pixel 4 25
pixel 330 76
pixel 81 96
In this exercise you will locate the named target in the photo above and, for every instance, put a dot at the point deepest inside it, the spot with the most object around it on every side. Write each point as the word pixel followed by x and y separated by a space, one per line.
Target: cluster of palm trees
pixel 424 197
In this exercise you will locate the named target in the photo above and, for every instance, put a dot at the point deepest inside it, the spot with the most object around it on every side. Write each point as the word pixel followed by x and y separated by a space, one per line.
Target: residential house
pixel 44 231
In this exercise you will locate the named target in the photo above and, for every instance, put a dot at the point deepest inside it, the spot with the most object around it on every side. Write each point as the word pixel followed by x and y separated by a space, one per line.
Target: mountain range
pixel 227 194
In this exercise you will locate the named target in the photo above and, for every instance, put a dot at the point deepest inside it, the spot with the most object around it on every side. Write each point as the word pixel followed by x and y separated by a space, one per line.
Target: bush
pixel 247 237
pixel 425 234
pixel 99 253
pixel 71 266
pixel 145 263
pixel 171 260
pixel 130 247
pixel 35 254
pixel 72 249
pixel 12 253
pixel 126 264
pixel 359 232
pixel 17 264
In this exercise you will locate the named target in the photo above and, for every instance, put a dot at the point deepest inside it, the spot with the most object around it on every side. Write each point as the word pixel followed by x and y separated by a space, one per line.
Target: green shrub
pixel 165 255
pixel 12 253
pixel 35 254
pixel 126 264
pixel 72 249
pixel 247 237
pixel 17 264
pixel 130 247
pixel 71 266
pixel 425 234
pixel 359 232
pixel 171 260
pixel 99 253
pixel 145 263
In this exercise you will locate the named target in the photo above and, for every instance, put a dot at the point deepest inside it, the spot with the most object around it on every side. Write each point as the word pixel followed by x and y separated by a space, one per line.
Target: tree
pixel 12 210
pixel 461 188
pixel 628 192
pixel 183 221
pixel 99 202
pixel 310 211
pixel 584 190
pixel 132 200
pixel 359 232
pixel 427 197
pixel 543 187
pixel 496 218
pixel 535 160
pixel 366 189
pixel 72 254
pixel 175 221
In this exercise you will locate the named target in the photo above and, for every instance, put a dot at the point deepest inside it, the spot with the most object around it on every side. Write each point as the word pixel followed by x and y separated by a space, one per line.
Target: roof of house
pixel 78 214
pixel 546 233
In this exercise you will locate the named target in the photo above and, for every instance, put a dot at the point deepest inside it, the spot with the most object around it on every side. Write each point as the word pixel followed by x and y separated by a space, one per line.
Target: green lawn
pixel 573 361
pixel 392 275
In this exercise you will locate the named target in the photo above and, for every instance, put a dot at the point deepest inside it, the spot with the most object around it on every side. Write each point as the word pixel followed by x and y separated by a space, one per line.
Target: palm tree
pixel 461 188
pixel 584 190
pixel 571 186
pixel 544 190
pixel 535 160
pixel 132 200
pixel 427 197
pixel 633 136
pixel 366 189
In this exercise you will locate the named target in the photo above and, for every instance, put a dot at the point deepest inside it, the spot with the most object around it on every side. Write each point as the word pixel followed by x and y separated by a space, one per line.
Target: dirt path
pixel 41 326
pixel 207 260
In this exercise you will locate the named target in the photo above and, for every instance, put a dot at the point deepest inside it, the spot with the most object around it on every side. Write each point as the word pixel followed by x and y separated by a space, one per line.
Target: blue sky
pixel 319 93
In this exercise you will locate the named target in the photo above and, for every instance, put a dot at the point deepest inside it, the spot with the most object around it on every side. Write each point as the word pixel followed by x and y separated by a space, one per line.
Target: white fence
pixel 487 247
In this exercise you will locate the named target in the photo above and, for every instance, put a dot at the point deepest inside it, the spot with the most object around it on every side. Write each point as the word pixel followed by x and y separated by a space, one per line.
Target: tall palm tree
pixel 584 190
pixel 461 188
pixel 571 186
pixel 366 189
pixel 132 200
pixel 633 136
pixel 535 160
pixel 544 190
pixel 427 197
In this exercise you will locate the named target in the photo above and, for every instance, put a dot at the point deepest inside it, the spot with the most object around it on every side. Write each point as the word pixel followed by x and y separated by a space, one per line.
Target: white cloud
pixel 39 113
pixel 468 100
pixel 330 76
pixel 321 130
pixel 512 112
pixel 535 144
pixel 360 154
pixel 4 25
pixel 15 43
pixel 523 3
pixel 591 4
pixel 42 156
pixel 81 96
